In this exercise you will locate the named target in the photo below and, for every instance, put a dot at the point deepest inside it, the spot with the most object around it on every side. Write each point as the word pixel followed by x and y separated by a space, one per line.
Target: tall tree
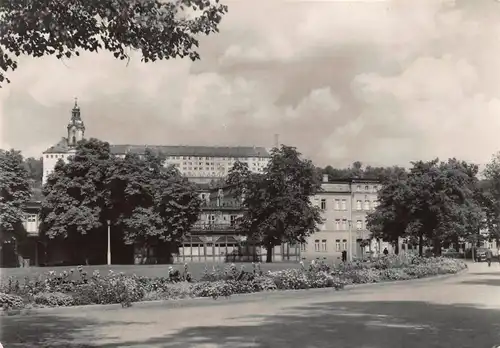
pixel 158 29
pixel 151 203
pixel 15 192
pixel 34 167
pixel 437 202
pixel 490 194
pixel 238 178
pixel 76 198
pixel 277 206
pixel 391 219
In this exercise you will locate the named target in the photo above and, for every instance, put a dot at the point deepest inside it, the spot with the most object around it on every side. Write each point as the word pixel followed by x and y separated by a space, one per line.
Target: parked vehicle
pixel 480 254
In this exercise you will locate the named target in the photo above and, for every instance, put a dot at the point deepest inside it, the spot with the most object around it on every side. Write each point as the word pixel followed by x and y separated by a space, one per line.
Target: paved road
pixel 462 311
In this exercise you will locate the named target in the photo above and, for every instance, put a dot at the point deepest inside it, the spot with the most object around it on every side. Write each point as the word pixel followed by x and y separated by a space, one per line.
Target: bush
pixel 8 301
pixel 53 299
pixel 78 288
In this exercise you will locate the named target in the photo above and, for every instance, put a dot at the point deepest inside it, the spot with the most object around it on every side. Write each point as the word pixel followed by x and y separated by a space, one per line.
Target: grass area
pixel 196 269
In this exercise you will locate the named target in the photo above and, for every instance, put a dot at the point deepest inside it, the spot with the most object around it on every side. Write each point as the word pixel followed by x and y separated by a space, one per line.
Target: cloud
pixel 382 82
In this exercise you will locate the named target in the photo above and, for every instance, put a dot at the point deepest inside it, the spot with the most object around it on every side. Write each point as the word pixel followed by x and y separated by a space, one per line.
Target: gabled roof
pixel 60 147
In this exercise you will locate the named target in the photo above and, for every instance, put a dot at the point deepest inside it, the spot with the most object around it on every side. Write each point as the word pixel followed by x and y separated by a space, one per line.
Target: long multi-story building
pixel 344 203
pixel 198 163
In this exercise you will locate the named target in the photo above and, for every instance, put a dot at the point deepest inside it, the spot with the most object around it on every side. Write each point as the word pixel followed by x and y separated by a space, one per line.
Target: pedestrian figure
pixel 344 256
pixel 489 256
pixel 386 252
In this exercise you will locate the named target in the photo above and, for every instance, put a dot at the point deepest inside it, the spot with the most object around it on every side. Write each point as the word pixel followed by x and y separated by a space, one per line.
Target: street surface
pixel 461 311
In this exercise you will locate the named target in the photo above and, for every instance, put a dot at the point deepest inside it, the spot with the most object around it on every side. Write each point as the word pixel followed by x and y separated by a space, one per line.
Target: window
pixel 31 218
pixel 303 247
pixel 337 224
pixel 367 188
pixel 358 188
pixel 344 244
pixel 316 245
pixel 367 205
pixel 359 225
pixel 337 204
pixel 344 204
pixel 323 204
pixel 344 224
pixel 323 245
pixel 358 205
pixel 337 245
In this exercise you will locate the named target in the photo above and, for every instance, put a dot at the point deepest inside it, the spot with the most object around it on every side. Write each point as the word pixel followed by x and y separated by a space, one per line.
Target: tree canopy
pixel 490 194
pixel 277 205
pixel 15 192
pixel 357 170
pixel 142 199
pixel 436 202
pixel 158 29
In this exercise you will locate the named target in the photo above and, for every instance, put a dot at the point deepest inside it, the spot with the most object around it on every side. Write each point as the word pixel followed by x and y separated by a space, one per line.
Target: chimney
pixel 325 177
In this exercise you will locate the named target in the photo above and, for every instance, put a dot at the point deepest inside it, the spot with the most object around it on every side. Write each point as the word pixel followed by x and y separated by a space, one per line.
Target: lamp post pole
pixel 109 243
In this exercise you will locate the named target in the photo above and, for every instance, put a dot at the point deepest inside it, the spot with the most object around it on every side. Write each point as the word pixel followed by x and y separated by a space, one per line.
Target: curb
pixel 236 298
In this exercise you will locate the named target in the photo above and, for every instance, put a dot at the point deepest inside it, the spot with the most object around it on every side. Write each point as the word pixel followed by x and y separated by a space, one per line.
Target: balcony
pixel 213 227
pixel 221 206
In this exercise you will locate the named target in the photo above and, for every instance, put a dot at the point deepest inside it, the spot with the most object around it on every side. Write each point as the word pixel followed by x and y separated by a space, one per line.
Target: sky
pixel 381 82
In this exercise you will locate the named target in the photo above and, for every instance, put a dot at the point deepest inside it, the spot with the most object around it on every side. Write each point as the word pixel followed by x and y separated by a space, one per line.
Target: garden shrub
pixel 78 288
pixel 8 301
pixel 53 299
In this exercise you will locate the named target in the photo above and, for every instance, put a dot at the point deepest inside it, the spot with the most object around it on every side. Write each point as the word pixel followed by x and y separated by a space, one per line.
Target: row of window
pixel 259 159
pixel 374 188
pixel 322 246
pixel 194 158
pixel 343 224
pixel 55 156
pixel 341 205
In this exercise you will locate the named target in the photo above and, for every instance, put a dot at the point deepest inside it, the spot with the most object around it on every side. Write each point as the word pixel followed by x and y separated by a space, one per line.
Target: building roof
pixel 195 151
pixel 61 147
pixel 353 180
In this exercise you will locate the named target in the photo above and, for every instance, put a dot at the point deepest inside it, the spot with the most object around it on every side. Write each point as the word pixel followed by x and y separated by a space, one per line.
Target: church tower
pixel 76 128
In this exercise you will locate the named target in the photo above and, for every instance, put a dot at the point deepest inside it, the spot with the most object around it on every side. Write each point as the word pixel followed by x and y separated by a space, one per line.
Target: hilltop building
pixel 199 163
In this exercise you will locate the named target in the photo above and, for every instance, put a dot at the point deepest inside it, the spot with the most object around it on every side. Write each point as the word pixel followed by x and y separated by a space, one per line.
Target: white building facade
pixel 199 163
pixel 345 205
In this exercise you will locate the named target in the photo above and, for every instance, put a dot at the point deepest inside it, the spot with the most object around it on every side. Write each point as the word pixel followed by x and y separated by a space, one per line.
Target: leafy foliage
pixel 437 202
pixel 15 192
pixel 158 29
pixel 490 196
pixel 151 203
pixel 34 167
pixel 357 170
pixel 143 200
pixel 277 206
pixel 78 288
pixel 75 193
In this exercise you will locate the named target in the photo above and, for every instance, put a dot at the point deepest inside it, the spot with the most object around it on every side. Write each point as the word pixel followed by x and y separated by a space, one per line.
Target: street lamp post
pixel 350 224
pixel 109 243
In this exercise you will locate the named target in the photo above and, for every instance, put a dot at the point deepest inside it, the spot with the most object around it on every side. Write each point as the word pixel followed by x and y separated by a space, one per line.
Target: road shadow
pixel 491 282
pixel 346 324
pixel 487 273
pixel 43 331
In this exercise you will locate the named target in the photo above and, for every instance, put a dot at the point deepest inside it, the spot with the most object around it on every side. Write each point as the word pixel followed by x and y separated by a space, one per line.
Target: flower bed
pixel 78 288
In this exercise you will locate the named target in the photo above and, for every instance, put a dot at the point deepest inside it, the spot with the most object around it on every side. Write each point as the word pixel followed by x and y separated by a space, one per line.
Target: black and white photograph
pixel 250 174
